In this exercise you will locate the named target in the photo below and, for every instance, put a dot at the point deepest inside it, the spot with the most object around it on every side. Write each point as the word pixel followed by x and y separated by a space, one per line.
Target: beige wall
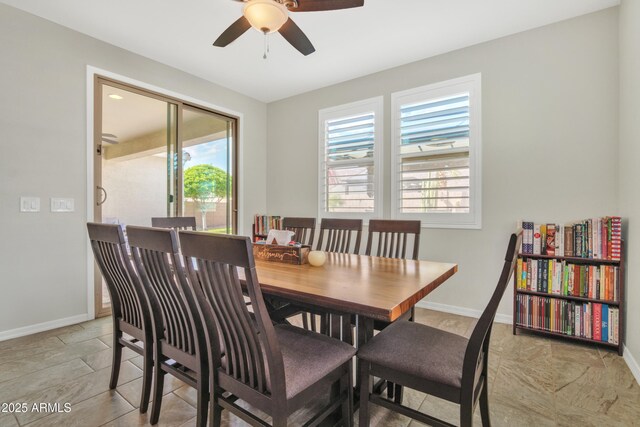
pixel 629 163
pixel 549 108
pixel 43 66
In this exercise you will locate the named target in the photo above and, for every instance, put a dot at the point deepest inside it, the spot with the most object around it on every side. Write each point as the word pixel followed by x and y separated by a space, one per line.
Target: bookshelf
pixel 572 287
pixel 262 224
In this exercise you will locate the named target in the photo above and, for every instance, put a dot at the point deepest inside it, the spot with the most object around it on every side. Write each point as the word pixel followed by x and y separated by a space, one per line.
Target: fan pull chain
pixel 266 45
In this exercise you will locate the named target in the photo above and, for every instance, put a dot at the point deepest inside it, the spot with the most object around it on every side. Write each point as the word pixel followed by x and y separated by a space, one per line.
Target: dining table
pixel 367 287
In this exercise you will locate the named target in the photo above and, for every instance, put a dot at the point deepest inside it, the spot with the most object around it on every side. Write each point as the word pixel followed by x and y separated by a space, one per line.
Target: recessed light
pixel 115 96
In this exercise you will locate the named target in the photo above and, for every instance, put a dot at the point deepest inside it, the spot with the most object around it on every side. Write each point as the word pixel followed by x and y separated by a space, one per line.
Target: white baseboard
pixel 41 327
pixel 632 364
pixel 462 311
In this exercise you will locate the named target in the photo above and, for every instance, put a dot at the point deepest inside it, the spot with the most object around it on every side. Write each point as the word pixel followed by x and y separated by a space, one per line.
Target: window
pixel 349 142
pixel 436 141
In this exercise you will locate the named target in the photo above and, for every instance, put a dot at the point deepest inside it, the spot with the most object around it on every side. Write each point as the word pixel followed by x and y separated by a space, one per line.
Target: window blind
pixel 434 156
pixel 349 163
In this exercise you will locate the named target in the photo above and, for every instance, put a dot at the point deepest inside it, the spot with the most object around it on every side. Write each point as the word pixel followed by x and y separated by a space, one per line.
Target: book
pixel 605 322
pixel 568 240
pixel 551 239
pixel 536 239
pixel 559 240
pixel 616 328
pixel 527 237
pixel 597 321
pixel 578 241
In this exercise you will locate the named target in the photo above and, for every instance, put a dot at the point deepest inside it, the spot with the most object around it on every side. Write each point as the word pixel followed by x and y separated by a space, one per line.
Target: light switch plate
pixel 59 204
pixel 29 204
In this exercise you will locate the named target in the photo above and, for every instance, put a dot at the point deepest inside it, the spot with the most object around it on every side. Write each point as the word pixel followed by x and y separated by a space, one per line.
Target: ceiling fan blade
pixel 294 35
pixel 319 5
pixel 234 31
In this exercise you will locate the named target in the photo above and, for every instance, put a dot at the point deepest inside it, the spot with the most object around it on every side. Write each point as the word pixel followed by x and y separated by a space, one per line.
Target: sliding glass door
pixel 159 156
pixel 208 169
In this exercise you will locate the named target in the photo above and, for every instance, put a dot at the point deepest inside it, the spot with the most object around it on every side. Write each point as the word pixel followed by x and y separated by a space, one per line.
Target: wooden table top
pixel 378 288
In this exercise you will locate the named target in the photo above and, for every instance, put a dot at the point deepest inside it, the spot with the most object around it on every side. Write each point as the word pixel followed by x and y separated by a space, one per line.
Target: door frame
pixel 93 73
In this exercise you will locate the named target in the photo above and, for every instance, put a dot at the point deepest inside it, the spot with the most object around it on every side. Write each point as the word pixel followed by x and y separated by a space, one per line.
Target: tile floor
pixel 533 382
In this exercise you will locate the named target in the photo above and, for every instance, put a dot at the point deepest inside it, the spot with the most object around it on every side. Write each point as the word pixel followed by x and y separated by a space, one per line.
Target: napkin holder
pixel 296 255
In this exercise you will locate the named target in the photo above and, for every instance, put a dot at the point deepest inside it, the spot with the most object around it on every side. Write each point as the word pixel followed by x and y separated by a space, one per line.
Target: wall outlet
pixel 29 204
pixel 59 204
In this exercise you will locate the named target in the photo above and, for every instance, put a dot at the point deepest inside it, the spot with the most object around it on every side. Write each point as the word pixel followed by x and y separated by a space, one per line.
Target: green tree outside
pixel 206 185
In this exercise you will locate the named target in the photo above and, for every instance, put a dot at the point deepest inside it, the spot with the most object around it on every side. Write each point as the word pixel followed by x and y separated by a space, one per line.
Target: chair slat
pixel 341 234
pixel 392 237
pixel 303 227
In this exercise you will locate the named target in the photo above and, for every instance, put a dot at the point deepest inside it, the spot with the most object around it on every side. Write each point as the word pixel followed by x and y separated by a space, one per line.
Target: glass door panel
pixel 137 137
pixel 207 170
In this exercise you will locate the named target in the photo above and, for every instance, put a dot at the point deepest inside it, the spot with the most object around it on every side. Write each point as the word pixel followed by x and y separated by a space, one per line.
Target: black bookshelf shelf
pixel 577 260
pixel 565 336
pixel 568 297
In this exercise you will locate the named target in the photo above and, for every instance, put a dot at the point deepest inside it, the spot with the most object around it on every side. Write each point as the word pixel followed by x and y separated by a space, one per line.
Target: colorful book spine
pixel 597 321
pixel 551 239
pixel 536 240
pixel 569 239
pixel 616 238
pixel 605 323
pixel 527 237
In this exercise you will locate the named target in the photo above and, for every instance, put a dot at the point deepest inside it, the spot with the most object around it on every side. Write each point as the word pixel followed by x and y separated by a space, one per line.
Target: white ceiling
pixel 349 43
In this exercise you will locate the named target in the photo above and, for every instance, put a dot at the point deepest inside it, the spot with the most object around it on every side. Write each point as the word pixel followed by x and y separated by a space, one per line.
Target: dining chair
pixel 175 222
pixel 305 229
pixel 129 309
pixel 435 362
pixel 275 369
pixel 342 236
pixel 339 235
pixel 179 338
pixel 392 237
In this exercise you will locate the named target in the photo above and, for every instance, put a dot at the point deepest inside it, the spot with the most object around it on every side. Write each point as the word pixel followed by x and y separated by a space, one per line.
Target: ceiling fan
pixel 268 16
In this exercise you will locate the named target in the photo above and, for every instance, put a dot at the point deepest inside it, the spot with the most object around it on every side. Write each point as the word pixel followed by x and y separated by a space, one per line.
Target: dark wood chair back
pixel 130 312
pixel 126 293
pixel 180 346
pixel 392 238
pixel 155 252
pixel 250 349
pixel 340 235
pixel 479 340
pixel 175 222
pixel 305 229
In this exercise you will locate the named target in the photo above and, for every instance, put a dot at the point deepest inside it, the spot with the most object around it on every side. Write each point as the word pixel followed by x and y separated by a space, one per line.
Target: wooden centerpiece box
pixel 296 255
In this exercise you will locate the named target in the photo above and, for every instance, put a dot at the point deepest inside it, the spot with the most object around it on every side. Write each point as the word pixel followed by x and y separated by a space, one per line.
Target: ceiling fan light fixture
pixel 265 16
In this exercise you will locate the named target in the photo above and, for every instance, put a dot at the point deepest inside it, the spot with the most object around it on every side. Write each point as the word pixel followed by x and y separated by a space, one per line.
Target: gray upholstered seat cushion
pixel 418 350
pixel 309 356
